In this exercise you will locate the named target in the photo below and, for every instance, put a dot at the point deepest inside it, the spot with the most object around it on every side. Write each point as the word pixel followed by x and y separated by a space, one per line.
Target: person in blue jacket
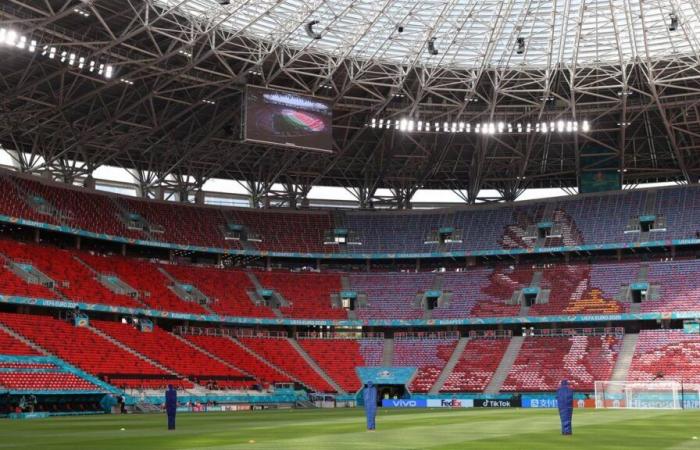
pixel 107 403
pixel 565 403
pixel 369 396
pixel 171 406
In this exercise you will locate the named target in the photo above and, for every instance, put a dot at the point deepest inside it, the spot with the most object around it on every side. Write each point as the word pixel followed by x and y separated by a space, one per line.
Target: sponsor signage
pixel 550 402
pixel 691 404
pixel 429 403
pixel 496 403
pixel 451 403
pixel 404 403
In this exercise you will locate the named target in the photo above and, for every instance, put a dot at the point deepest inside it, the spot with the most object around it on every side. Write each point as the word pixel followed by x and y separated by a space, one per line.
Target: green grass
pixel 344 429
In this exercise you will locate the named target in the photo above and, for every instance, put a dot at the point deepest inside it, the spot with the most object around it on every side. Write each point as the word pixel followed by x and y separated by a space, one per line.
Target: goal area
pixel 645 394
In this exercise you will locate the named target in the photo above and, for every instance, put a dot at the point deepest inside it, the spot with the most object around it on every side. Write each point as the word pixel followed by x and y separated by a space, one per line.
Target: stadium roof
pixel 467 33
pixel 171 106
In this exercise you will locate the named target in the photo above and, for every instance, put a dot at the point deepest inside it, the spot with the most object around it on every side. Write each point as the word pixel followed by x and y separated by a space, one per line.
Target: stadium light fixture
pixel 431 47
pixel 673 26
pixel 310 30
pixel 81 12
pixel 409 125
pixel 12 38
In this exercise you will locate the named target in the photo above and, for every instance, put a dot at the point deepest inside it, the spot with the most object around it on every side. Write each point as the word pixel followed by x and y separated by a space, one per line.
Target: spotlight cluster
pixel 81 12
pixel 420 126
pixel 11 38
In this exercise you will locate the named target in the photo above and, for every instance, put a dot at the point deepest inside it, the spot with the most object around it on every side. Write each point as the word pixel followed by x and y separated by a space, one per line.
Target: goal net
pixel 640 394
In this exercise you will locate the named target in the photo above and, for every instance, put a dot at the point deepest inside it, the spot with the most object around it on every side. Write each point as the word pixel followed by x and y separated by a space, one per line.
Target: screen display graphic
pixel 288 119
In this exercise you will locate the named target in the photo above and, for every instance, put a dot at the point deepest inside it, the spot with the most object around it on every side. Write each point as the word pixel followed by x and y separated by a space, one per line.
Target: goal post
pixel 638 394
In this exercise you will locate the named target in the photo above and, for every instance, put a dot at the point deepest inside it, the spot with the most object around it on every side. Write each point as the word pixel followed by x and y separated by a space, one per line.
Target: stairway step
pixel 209 354
pixel 624 357
pixel 25 340
pixel 265 361
pixel 499 377
pixel 314 365
pixel 388 353
pixel 125 347
pixel 449 367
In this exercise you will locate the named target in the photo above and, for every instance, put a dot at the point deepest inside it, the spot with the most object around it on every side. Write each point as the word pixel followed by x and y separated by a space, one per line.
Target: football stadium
pixel 349 224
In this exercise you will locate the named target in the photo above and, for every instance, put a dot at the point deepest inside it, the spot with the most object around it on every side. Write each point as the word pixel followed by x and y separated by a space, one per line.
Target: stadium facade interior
pixel 281 303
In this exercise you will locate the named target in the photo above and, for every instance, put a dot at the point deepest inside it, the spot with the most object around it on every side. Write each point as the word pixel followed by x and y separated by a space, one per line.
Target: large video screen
pixel 285 118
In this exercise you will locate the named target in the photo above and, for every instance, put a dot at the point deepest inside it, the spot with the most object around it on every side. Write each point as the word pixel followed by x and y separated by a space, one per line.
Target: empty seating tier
pixel 227 289
pixel 308 294
pixel 282 354
pixel 476 365
pixel 666 355
pixel 72 279
pixel 171 352
pixel 86 349
pixel 429 356
pixel 145 277
pixel 10 345
pixel 232 352
pixel 544 361
pixel 391 295
pixel 589 219
pixel 44 381
pixel 338 358
pixel 11 284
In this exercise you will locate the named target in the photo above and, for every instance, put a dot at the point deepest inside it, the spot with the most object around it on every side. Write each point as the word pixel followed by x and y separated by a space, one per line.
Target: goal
pixel 641 394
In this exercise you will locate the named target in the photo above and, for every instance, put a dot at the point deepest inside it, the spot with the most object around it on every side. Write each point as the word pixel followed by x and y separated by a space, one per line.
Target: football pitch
pixel 344 429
